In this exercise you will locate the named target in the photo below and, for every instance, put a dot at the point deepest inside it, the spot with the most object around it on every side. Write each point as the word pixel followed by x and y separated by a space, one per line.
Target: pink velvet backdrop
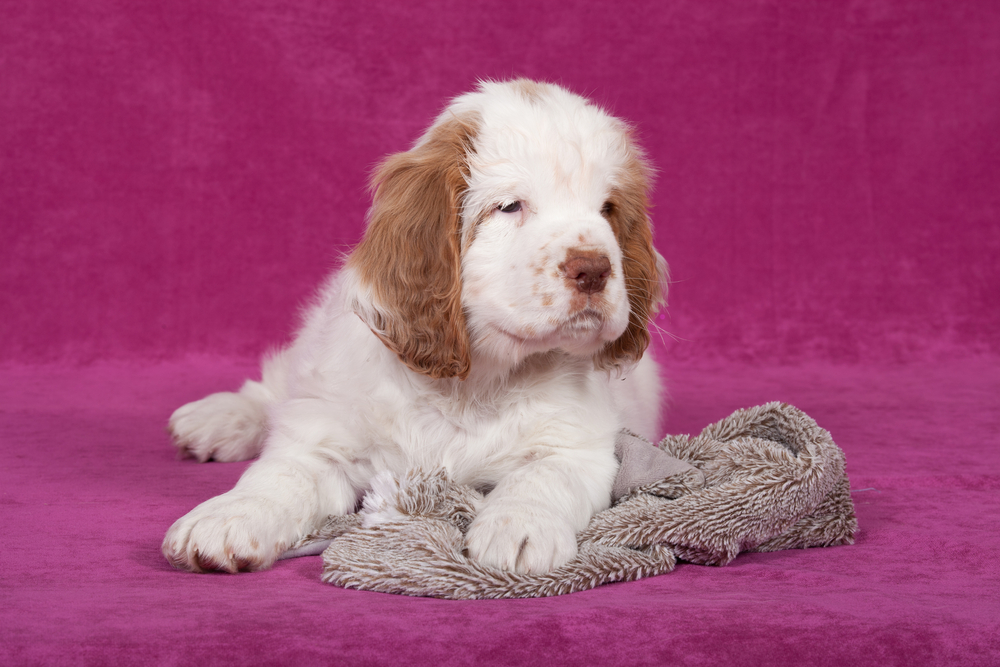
pixel 177 176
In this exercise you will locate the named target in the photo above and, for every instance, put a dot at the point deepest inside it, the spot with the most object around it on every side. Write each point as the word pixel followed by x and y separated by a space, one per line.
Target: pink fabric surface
pixel 90 484
pixel 176 178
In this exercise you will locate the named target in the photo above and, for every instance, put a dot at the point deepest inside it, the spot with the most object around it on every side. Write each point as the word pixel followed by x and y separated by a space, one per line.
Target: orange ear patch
pixel 628 214
pixel 411 252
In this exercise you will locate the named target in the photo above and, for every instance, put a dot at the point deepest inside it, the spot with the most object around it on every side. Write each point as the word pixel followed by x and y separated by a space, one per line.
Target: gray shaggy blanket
pixel 763 479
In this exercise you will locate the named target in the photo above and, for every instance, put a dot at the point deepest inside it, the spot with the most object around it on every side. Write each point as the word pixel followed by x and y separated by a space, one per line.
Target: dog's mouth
pixel 583 322
pixel 580 325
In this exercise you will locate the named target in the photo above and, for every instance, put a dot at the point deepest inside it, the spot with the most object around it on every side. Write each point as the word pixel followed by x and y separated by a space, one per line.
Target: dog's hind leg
pixel 229 426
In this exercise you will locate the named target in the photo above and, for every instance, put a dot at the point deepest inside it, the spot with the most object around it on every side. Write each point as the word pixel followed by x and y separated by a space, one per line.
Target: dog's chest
pixel 477 438
pixel 449 425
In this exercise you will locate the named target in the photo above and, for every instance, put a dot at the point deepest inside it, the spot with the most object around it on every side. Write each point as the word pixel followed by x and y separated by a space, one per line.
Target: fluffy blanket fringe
pixel 763 479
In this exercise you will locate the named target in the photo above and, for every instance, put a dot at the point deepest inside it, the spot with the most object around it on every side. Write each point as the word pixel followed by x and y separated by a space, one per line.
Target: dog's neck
pixel 490 380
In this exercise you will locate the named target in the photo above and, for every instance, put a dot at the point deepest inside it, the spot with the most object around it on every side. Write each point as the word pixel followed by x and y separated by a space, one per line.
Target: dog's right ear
pixel 410 256
pixel 644 268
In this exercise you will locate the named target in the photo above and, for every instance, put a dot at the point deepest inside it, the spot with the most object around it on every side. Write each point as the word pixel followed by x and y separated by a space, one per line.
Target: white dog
pixel 492 321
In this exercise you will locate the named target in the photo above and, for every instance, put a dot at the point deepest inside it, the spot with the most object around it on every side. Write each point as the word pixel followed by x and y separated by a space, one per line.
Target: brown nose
pixel 589 272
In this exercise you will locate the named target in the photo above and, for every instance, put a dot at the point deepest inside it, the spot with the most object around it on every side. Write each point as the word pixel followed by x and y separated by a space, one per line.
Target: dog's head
pixel 517 224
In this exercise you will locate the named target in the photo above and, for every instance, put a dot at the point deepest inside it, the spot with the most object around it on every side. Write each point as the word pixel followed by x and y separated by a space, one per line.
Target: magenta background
pixel 177 177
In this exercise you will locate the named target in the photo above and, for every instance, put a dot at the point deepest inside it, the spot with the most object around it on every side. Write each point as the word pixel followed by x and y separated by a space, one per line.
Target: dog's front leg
pixel 287 493
pixel 531 518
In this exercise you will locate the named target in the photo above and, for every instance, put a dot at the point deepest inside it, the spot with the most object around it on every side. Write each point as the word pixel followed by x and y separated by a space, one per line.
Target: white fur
pixel 535 422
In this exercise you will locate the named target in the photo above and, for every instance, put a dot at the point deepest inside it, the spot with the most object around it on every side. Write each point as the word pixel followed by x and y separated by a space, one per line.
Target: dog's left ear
pixel 644 268
pixel 410 256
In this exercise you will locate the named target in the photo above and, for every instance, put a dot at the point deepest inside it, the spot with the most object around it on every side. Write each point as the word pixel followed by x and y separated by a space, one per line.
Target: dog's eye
pixel 512 207
pixel 607 209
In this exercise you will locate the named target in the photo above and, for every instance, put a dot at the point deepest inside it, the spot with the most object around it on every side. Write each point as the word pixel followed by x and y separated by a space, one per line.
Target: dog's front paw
pixel 229 532
pixel 521 538
pixel 222 427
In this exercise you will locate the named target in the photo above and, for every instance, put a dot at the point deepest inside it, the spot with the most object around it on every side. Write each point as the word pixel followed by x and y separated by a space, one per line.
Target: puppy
pixel 492 321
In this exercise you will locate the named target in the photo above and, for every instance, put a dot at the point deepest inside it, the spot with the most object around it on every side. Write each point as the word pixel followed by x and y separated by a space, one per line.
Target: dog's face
pixel 517 224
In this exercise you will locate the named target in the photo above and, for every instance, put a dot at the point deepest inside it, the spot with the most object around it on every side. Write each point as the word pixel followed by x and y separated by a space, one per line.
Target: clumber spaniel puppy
pixel 492 321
